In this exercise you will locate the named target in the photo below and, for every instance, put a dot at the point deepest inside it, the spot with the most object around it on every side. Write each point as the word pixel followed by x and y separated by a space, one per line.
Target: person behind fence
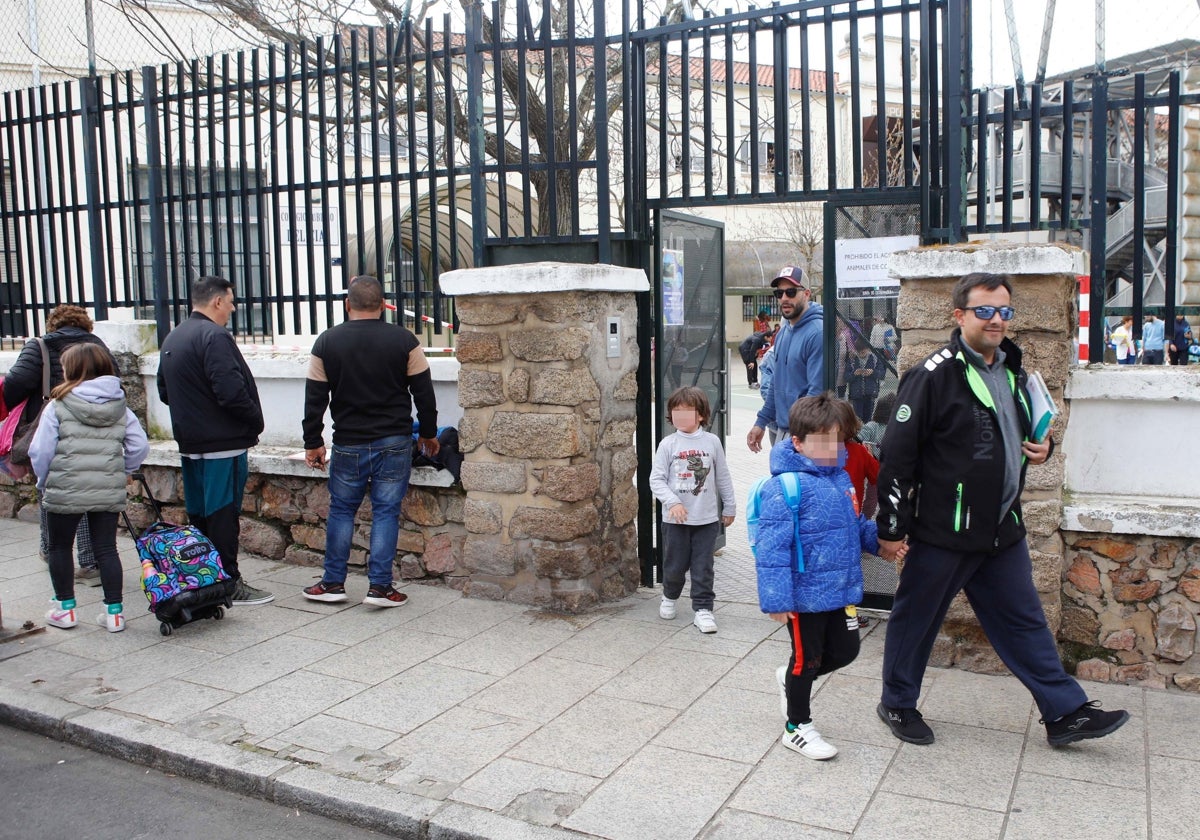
pixel 1153 340
pixel 864 371
pixel 1177 349
pixel 216 416
pixel 749 350
pixel 799 365
pixel 688 477
pixel 66 326
pixel 1123 342
pixel 871 434
pixel 950 482
pixel 86 443
pixel 808 561
pixel 370 373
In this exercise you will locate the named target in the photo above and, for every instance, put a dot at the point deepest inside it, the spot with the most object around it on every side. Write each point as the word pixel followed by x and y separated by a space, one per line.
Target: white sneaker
pixel 112 622
pixel 56 616
pixel 781 678
pixel 806 740
pixel 705 622
pixel 666 610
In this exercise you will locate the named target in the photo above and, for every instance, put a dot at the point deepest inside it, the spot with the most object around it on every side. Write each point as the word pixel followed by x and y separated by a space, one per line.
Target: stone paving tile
pixel 328 734
pixel 633 804
pixel 892 815
pixel 693 674
pixel 688 637
pixel 1174 796
pixel 756 670
pixel 347 625
pixel 827 794
pixel 844 710
pixel 239 630
pixel 726 723
pixel 543 689
pixel 466 617
pixel 503 648
pixel 261 663
pixel 1102 760
pixel 38 665
pixel 1065 809
pixel 595 736
pixel 457 744
pixel 19 565
pixel 170 700
pixel 964 766
pixel 1173 721
pixel 22 546
pixel 412 697
pixel 970 699
pixel 615 643
pixel 505 780
pixel 283 703
pixel 731 824
pixel 141 667
pixel 383 656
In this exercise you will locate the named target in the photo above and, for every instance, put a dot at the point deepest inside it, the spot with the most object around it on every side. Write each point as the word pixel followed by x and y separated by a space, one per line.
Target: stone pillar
pixel 547 431
pixel 1044 295
pixel 129 340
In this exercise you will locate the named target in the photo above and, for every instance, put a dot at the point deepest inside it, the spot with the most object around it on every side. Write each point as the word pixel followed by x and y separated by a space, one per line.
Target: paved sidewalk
pixel 450 717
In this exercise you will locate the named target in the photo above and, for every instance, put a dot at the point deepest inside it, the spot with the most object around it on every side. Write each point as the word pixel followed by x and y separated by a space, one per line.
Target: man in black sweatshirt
pixel 370 374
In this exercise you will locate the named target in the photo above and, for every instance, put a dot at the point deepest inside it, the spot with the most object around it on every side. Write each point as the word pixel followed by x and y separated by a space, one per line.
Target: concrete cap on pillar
pixel 543 277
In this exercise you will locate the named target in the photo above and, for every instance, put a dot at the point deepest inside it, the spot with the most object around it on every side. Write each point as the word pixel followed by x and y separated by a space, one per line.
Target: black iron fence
pixel 1100 163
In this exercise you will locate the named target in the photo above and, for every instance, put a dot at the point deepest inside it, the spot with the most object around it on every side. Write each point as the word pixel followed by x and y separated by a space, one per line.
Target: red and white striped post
pixel 1085 315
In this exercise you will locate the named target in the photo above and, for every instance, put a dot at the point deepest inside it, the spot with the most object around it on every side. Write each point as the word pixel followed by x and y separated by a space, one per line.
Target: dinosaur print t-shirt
pixel 690 469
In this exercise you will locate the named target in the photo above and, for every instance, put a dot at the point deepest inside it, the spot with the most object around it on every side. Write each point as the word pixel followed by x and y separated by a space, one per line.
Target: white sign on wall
pixel 294 225
pixel 861 265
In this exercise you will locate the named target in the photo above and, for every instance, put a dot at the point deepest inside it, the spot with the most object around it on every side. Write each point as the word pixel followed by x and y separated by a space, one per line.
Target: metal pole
pixel 475 131
pixel 1044 52
pixel 158 231
pixel 91 37
pixel 90 106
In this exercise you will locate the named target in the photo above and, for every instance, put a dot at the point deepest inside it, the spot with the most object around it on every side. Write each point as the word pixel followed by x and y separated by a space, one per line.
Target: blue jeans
pixel 383 466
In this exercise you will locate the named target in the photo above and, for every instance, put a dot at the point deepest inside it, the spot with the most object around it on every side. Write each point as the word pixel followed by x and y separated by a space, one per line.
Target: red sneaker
pixel 330 593
pixel 385 596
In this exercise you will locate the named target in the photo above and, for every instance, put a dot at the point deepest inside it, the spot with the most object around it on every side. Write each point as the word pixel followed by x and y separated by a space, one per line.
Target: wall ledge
pixel 1137 515
pixel 537 278
pixel 1153 383
pixel 286 461
pixel 996 258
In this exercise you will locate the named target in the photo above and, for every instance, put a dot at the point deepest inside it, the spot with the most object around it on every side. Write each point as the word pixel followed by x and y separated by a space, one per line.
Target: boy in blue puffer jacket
pixel 812 591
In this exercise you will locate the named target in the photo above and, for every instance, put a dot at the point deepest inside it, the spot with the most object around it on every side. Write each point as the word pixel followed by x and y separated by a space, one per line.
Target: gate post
pixel 90 109
pixel 548 386
pixel 158 227
pixel 474 39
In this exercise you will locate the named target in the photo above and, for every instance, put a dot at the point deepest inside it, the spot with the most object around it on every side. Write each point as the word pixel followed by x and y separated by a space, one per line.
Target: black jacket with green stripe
pixel 941 476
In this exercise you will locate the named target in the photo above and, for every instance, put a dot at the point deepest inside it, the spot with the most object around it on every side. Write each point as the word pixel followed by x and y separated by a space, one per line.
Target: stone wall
pixel 547 433
pixel 1043 295
pixel 1130 609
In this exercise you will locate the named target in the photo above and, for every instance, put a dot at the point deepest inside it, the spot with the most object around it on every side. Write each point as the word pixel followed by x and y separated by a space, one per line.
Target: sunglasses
pixel 986 313
pixel 790 291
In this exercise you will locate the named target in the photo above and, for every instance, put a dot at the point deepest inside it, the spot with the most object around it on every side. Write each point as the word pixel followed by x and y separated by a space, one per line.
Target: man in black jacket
pixel 374 371
pixel 950 481
pixel 215 417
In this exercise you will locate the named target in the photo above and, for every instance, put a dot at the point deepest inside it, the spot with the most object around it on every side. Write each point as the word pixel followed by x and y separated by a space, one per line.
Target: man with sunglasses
pixel 950 481
pixel 799 366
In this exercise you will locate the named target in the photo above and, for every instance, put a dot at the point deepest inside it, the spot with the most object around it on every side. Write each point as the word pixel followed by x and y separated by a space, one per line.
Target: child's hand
pixel 677 514
pixel 726 521
pixel 782 618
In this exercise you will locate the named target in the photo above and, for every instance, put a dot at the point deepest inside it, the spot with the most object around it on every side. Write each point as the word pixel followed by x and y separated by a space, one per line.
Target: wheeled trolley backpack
pixel 182 574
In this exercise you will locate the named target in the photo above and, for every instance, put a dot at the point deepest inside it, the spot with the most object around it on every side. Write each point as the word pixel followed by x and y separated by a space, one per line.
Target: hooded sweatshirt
pixel 84 446
pixel 799 367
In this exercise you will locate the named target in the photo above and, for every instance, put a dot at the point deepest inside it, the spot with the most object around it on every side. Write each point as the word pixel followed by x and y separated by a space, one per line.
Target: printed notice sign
pixel 861 265
pixel 672 288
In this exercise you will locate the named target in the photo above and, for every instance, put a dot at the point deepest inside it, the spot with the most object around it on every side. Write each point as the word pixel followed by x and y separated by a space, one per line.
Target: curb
pixel 364 804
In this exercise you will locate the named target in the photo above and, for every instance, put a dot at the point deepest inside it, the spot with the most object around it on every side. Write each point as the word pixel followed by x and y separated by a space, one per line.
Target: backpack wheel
pixel 219 614
pixel 165 628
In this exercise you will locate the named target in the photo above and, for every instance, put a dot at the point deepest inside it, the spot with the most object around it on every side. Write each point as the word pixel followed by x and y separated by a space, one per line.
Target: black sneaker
pixel 246 595
pixel 906 724
pixel 1088 721
pixel 330 593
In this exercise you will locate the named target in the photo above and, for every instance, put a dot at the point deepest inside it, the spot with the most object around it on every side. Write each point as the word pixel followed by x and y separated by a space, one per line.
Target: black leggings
pixel 821 643
pixel 60 537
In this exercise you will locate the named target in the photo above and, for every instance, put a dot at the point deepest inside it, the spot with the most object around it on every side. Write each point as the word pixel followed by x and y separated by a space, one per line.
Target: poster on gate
pixel 861 266
pixel 672 288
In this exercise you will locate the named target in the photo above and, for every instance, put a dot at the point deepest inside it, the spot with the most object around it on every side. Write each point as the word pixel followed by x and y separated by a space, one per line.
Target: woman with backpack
pixel 86 442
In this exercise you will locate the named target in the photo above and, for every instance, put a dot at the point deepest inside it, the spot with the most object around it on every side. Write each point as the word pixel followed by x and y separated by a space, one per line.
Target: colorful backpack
pixel 790 483
pixel 175 559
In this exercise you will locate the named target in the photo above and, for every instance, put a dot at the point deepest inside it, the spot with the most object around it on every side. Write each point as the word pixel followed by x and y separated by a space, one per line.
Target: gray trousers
pixel 689 549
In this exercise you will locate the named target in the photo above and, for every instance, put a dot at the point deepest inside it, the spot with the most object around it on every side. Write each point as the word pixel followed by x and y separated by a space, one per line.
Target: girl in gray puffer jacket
pixel 86 442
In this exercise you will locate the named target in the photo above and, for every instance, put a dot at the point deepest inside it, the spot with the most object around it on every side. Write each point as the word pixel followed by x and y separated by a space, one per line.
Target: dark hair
pixel 207 288
pixel 850 424
pixel 991 282
pixel 68 315
pixel 81 362
pixel 883 408
pixel 689 396
pixel 364 294
pixel 815 414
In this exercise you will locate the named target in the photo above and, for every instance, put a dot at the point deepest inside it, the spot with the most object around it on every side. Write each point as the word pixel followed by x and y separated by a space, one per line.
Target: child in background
pixel 688 475
pixel 86 442
pixel 812 588
pixel 871 434
pixel 860 464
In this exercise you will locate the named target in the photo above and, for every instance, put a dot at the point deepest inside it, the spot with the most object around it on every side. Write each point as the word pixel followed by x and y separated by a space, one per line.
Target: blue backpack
pixel 791 494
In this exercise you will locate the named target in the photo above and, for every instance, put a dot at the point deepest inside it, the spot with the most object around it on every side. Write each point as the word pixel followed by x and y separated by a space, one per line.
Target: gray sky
pixel 1130 25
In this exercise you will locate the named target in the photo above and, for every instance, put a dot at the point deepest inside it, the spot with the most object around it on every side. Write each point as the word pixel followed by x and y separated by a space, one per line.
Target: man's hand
pixel 1036 453
pixel 429 447
pixel 893 550
pixel 315 458
pixel 754 438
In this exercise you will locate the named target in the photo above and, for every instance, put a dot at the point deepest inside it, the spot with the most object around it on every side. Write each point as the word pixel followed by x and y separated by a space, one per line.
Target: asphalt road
pixel 57 791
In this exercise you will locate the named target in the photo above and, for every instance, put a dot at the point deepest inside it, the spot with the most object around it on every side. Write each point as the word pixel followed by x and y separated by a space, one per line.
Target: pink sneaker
pixel 56 616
